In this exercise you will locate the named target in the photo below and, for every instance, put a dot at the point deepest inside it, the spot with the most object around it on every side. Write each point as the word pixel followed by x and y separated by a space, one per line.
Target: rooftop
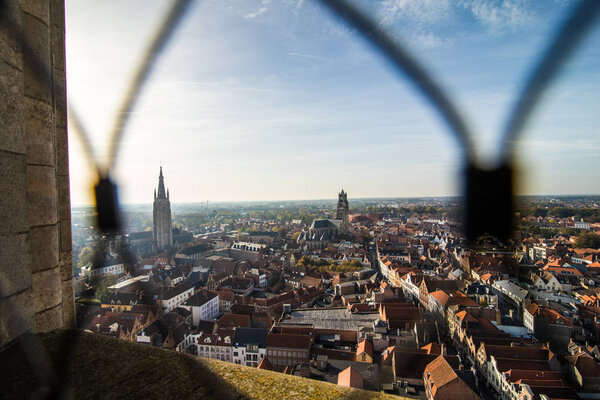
pixel 331 318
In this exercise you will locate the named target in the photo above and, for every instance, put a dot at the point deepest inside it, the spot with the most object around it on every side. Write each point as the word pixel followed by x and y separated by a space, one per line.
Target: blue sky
pixel 276 100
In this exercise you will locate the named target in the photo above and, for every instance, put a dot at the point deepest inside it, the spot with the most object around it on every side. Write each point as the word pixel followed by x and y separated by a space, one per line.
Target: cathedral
pixel 322 231
pixel 162 224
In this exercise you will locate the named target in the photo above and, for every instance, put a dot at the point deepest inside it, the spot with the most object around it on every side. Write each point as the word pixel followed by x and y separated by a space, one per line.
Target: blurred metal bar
pixel 566 41
pixel 404 62
pixel 157 45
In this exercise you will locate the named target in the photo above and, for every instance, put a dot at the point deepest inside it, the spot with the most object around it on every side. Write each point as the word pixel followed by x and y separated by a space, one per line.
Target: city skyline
pixel 259 101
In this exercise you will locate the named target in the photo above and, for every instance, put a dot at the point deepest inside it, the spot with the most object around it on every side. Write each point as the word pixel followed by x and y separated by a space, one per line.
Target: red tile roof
pixel 265 364
pixel 234 320
pixel 444 383
pixel 350 378
pixel 364 347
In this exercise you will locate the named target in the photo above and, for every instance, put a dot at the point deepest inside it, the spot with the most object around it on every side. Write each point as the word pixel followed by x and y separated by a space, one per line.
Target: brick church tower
pixel 162 224
pixel 342 211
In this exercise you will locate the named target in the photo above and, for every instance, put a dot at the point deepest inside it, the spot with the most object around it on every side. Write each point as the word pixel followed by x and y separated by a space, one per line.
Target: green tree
pixel 570 231
pixel 87 255
pixel 102 286
pixel 588 240
pixel 366 236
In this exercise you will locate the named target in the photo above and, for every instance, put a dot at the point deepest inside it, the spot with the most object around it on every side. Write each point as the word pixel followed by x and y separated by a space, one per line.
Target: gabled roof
pixel 386 355
pixel 290 341
pixel 180 332
pixel 441 296
pixel 505 364
pixel 265 364
pixel 245 336
pixel 447 284
pixel 364 347
pixel 444 383
pixel 350 378
pixel 207 326
pixel 176 291
pixel 234 320
pixel 410 364
pixel 432 348
pixel 200 298
pixel 586 366
pixel 518 374
pixel 322 223
pixel 515 352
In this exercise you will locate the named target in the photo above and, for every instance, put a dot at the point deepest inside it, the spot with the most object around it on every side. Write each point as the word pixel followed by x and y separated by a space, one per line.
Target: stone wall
pixel 36 268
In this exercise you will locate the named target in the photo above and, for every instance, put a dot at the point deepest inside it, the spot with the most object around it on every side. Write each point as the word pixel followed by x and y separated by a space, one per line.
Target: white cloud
pixel 418 11
pixel 429 41
pixel 498 16
pixel 255 14
pixel 416 21
pixel 304 56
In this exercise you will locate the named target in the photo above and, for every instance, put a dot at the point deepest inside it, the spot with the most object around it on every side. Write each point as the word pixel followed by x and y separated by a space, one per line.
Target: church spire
pixel 162 222
pixel 161 186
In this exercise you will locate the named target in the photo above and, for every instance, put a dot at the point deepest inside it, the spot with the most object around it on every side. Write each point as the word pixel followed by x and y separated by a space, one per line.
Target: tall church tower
pixel 342 211
pixel 162 225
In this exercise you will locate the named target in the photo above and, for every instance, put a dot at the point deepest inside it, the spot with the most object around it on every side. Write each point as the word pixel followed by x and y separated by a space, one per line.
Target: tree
pixel 570 231
pixel 103 285
pixel 366 236
pixel 588 240
pixel 89 255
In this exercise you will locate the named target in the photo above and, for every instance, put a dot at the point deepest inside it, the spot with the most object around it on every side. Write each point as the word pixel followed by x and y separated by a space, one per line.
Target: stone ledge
pixel 107 368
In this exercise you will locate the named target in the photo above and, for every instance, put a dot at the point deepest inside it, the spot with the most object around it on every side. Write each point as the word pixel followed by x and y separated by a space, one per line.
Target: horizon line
pixel 333 199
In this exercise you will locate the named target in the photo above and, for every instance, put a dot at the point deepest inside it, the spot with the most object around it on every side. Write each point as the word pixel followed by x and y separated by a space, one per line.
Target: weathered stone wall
pixel 36 269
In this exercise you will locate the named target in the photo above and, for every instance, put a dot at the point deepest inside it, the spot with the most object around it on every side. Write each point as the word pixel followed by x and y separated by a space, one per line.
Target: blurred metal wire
pixel 408 65
pixel 574 30
pixel 564 44
pixel 149 59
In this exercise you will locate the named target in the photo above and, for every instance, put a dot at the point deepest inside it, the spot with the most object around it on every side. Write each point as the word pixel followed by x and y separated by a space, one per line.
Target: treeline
pixel 200 220
pixel 589 214
pixel 433 211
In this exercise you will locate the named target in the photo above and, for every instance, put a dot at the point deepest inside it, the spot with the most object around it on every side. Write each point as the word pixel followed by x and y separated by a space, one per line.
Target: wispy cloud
pixel 429 41
pixel 255 14
pixel 418 11
pixel 311 57
pixel 500 15
pixel 304 56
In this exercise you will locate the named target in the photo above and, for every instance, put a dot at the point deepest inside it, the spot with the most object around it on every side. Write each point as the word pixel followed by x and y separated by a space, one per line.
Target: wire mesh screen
pixel 484 188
